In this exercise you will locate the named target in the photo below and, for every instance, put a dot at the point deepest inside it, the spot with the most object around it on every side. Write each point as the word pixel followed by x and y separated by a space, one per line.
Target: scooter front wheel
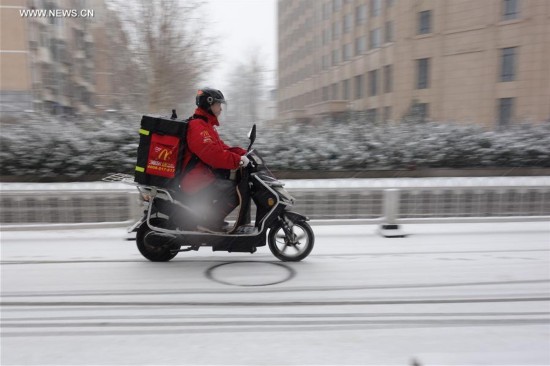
pixel 155 252
pixel 291 242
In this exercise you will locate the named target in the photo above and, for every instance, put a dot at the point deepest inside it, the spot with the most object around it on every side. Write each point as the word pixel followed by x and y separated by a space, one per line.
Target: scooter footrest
pixel 246 230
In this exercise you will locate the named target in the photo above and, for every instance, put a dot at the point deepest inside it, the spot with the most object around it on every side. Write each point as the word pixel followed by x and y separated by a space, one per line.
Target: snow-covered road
pixel 446 294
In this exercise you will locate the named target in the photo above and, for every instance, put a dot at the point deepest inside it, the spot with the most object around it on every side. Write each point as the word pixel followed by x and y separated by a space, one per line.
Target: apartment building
pixel 471 61
pixel 54 62
pixel 15 78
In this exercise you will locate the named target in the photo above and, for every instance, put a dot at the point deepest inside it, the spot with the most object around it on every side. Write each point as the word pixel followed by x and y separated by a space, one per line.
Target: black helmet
pixel 208 96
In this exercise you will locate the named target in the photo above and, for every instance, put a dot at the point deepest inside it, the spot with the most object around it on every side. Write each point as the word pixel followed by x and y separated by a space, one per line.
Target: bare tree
pixel 247 89
pixel 127 81
pixel 169 44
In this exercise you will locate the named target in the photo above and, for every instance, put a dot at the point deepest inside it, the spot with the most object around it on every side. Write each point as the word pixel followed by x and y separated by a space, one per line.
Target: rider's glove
pixel 244 161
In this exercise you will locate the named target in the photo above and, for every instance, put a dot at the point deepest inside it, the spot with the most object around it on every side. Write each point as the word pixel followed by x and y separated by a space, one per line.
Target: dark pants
pixel 216 201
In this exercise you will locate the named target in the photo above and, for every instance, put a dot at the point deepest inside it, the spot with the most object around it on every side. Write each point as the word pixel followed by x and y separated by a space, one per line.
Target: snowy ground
pixel 461 294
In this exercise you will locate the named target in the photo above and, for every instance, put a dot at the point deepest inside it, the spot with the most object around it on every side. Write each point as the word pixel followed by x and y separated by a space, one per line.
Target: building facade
pixel 484 62
pixel 15 77
pixel 55 61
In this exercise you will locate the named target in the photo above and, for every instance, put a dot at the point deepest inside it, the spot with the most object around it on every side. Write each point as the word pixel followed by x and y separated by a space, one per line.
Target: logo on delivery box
pixel 163 156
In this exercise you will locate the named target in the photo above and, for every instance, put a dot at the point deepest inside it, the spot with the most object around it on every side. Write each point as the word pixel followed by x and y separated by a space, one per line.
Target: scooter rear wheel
pixel 155 253
pixel 291 246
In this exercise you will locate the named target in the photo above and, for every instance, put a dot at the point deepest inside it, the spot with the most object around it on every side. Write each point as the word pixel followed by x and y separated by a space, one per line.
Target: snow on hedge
pixel 48 146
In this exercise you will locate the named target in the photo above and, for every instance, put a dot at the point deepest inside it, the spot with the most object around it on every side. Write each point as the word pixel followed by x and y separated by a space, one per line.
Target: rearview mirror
pixel 252 136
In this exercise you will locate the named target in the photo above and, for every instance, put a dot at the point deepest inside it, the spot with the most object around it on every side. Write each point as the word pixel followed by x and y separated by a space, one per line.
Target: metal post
pixel 389 227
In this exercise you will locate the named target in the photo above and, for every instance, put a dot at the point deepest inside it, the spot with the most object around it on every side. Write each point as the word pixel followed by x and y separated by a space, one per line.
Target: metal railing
pixel 29 206
pixel 356 201
pixel 426 205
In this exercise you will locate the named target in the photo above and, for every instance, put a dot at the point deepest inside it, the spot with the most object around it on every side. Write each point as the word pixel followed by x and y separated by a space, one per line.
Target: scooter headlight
pixel 257 159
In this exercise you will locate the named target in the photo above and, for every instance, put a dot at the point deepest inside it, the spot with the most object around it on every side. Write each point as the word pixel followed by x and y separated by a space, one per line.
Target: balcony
pixel 78 54
pixel 43 55
pixel 33 45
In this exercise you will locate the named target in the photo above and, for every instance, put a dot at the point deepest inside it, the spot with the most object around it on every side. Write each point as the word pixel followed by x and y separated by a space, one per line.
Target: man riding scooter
pixel 187 191
pixel 207 163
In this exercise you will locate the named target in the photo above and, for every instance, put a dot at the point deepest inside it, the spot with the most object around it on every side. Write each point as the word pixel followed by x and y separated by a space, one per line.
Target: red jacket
pixel 203 141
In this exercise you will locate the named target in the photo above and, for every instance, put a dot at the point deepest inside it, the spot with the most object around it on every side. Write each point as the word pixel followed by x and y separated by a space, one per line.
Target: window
pixel 347 51
pixel 47 79
pixel 345 89
pixel 388 79
pixel 336 5
pixel 334 91
pixel 360 14
pixel 335 57
pixel 374 38
pixel 88 50
pixel 389 3
pixel 510 9
pixel 325 93
pixel 508 64
pixel 63 53
pixel 78 93
pixel 359 87
pixel 424 22
pixel 423 69
pixel 388 34
pixel 348 23
pixel 326 62
pixel 373 83
pixel 375 7
pixel 54 47
pixel 44 38
pixel 326 36
pixel 326 11
pixel 69 88
pixel 78 39
pixel 505 111
pixel 336 27
pixel 360 45
pixel 52 7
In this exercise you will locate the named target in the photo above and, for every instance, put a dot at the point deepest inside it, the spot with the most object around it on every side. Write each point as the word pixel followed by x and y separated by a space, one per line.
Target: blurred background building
pixel 61 64
pixel 486 61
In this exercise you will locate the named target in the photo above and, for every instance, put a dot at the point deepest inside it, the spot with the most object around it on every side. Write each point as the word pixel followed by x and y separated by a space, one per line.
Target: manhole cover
pixel 250 273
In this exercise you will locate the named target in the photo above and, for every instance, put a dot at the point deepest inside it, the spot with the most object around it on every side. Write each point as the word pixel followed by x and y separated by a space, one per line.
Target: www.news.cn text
pixel 56 13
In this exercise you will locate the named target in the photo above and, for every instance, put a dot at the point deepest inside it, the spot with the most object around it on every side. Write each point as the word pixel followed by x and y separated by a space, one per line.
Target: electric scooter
pixel 168 225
